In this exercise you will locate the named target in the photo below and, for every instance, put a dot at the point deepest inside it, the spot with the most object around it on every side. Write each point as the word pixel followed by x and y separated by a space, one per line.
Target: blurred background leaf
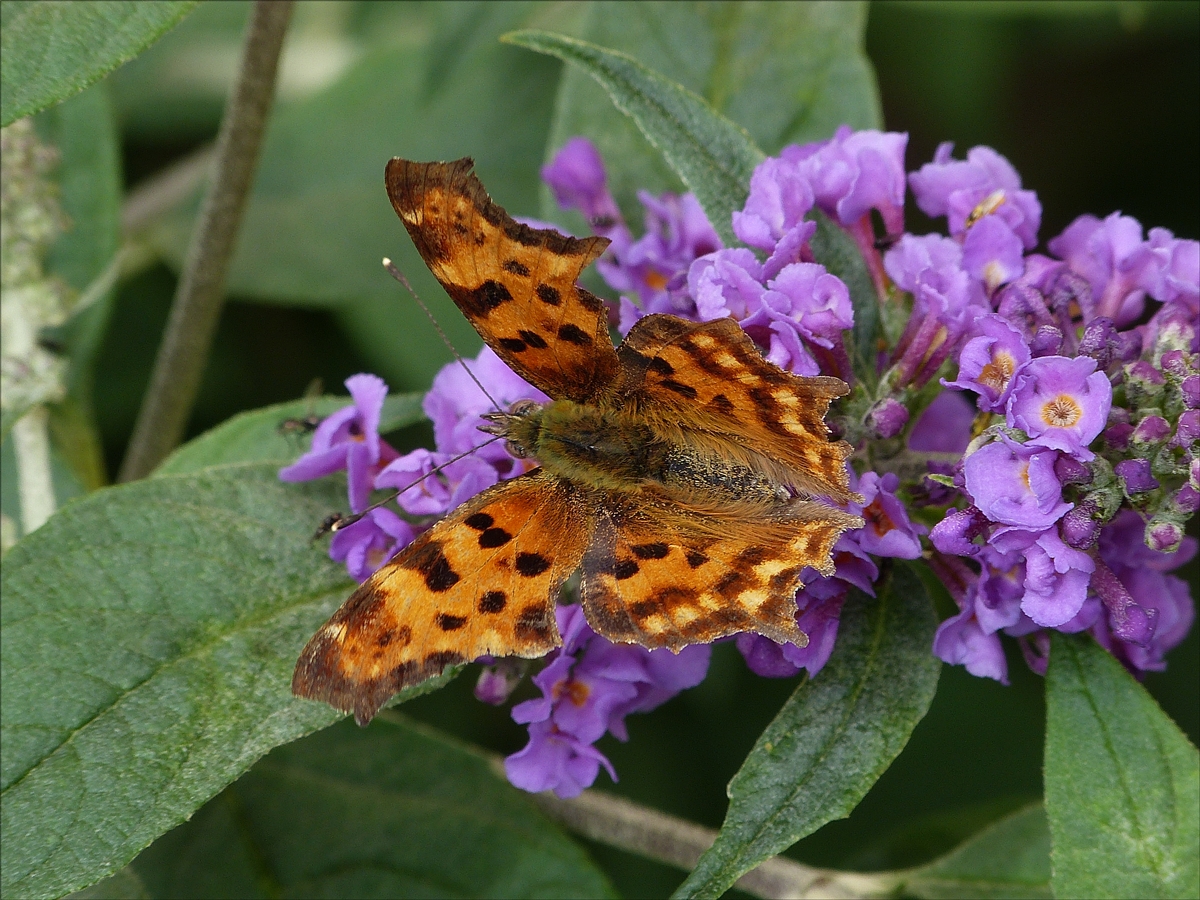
pixel 53 50
pixel 389 811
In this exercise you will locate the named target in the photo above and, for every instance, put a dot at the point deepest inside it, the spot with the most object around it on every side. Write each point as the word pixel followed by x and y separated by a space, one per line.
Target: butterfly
pixel 679 471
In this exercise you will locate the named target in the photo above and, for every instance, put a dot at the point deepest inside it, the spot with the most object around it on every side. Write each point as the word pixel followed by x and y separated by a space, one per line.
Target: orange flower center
pixel 656 280
pixel 878 520
pixel 997 373
pixel 1061 412
pixel 575 691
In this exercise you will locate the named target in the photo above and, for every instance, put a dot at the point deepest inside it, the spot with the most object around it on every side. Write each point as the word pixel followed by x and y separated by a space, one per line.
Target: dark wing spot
pixel 512 345
pixel 660 366
pixel 589 301
pixel 492 602
pixel 530 564
pixel 435 662
pixel 491 294
pixel 751 557
pixel 480 521
pixel 573 334
pixel 683 390
pixel 721 404
pixel 517 268
pixel 459 228
pixel 403 634
pixel 731 585
pixel 533 339
pixel 781 581
pixel 494 537
pixel 656 550
pixel 548 295
pixel 625 568
pixel 643 609
pixel 447 622
pixel 431 562
pixel 533 622
pixel 696 559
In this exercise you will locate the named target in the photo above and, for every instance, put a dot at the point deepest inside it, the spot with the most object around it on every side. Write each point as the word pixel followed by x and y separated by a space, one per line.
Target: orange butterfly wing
pixel 483 580
pixel 515 284
pixel 664 579
pixel 708 379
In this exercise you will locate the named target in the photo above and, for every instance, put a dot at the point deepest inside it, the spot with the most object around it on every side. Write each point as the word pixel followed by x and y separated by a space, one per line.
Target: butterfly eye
pixel 515 449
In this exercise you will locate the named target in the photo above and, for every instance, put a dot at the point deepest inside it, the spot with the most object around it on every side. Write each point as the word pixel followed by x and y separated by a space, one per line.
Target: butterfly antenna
pixel 399 276
pixel 336 521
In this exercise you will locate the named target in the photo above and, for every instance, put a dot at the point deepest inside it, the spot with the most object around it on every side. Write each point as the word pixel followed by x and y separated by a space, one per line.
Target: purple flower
pixel 993 254
pixel 989 360
pixel 555 761
pixel 1143 579
pixel 1060 403
pixel 1014 484
pixel 577 179
pixel 819 616
pixel 961 641
pixel 946 299
pixel 854 172
pixel 588 687
pixel 1112 256
pixel 983 183
pixel 773 217
pixel 1056 580
pixel 367 544
pixel 349 439
pixel 888 530
pixel 887 418
pixel 945 426
pixel 455 405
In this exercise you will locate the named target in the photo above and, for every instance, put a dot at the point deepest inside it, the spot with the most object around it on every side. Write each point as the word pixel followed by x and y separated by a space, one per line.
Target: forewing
pixel 514 283
pixel 708 377
pixel 483 580
pixel 660 580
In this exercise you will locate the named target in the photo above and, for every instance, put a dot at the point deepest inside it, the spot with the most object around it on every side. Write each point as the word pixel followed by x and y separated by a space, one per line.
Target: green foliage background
pixel 1097 108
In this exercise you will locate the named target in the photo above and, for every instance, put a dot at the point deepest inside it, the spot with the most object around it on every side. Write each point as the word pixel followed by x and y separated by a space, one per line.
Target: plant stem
pixel 654 835
pixel 197 307
pixel 35 486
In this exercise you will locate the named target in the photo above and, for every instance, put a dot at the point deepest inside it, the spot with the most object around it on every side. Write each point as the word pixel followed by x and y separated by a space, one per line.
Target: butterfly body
pixel 685 474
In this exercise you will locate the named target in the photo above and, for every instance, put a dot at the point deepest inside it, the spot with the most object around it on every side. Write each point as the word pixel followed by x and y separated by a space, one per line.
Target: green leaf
pixel 834 737
pixel 392 810
pixel 51 50
pixel 786 72
pixel 149 635
pixel 1009 859
pixel 713 156
pixel 319 221
pixel 255 436
pixel 1122 782
pixel 834 249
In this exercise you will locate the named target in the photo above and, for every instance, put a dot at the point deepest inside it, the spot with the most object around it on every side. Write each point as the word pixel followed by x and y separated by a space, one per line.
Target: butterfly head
pixel 518 425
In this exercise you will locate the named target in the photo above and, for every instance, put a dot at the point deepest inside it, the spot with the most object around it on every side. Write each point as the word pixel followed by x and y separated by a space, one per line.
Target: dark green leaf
pixel 255 436
pixel 52 50
pixel 1010 858
pixel 389 811
pixel 712 156
pixel 1122 782
pixel 149 635
pixel 834 737
pixel 834 249
pixel 786 72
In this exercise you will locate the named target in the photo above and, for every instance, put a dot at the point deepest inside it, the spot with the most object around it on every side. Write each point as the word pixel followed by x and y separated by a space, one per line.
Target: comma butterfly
pixel 678 469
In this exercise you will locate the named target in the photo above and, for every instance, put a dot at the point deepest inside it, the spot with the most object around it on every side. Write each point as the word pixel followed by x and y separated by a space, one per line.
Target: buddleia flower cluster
pixel 1028 424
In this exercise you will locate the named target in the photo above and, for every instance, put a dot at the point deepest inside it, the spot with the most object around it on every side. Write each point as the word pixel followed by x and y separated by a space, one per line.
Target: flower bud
pixel 1097 341
pixel 1187 431
pixel 1151 430
pixel 1071 471
pixel 887 418
pixel 1127 346
pixel 1047 341
pixel 1175 363
pixel 1135 476
pixel 1191 392
pixel 1080 528
pixel 1187 500
pixel 1163 536
pixel 1117 436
